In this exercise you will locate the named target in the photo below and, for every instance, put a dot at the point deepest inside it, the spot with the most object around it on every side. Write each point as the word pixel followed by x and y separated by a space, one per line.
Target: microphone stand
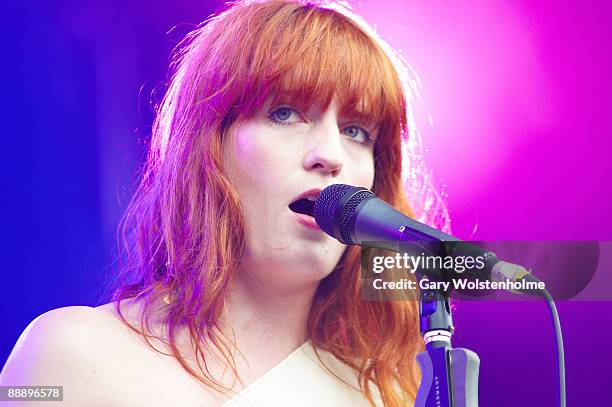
pixel 449 376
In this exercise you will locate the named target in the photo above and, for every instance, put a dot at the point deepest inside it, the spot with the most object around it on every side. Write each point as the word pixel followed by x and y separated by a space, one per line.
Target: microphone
pixel 355 216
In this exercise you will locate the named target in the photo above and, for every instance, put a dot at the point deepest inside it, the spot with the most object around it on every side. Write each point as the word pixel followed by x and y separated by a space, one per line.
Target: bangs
pixel 311 55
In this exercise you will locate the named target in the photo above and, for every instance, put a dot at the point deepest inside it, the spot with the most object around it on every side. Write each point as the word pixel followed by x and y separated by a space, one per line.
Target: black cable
pixel 559 338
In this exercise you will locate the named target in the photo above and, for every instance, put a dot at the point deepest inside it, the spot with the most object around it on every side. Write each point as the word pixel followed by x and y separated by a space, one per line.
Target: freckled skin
pixel 270 165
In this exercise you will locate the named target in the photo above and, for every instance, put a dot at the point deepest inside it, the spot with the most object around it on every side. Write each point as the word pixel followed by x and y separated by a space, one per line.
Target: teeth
pixel 311 198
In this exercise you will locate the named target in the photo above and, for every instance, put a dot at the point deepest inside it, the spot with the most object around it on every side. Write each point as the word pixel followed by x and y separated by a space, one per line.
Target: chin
pixel 303 268
pixel 315 270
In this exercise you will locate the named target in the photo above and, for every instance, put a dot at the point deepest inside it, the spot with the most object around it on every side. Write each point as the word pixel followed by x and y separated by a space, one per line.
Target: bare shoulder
pixel 59 347
pixel 58 333
pixel 100 361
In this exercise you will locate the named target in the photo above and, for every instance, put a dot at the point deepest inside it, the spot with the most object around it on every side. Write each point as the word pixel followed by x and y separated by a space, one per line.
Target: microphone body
pixel 355 216
pixel 375 220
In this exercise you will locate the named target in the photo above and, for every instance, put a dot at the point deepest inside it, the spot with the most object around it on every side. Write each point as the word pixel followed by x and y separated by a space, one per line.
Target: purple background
pixel 519 96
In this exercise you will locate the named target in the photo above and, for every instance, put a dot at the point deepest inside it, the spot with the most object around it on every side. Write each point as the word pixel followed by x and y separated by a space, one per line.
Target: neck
pixel 259 315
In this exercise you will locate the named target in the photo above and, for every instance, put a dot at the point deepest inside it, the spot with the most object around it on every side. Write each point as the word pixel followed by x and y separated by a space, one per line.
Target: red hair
pixel 183 232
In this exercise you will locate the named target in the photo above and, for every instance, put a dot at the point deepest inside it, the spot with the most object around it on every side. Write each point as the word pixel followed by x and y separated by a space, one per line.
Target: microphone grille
pixel 348 210
pixel 335 207
pixel 326 206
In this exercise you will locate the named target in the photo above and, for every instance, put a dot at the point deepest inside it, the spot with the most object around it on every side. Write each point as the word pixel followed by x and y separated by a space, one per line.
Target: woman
pixel 228 293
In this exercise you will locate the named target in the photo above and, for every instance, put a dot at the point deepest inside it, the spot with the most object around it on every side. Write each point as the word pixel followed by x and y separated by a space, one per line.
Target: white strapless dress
pixel 300 380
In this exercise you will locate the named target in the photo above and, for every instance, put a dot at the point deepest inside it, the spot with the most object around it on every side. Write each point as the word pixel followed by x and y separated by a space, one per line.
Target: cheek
pixel 370 174
pixel 363 171
pixel 247 160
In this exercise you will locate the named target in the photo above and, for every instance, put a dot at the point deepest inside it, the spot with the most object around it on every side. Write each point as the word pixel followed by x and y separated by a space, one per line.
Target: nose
pixel 327 154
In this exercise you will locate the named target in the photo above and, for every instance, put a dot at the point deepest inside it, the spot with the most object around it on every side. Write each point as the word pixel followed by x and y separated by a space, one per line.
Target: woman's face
pixel 272 160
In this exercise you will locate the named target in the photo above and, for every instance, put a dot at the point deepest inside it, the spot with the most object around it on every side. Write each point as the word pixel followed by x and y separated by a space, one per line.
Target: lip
pixel 307 221
pixel 304 194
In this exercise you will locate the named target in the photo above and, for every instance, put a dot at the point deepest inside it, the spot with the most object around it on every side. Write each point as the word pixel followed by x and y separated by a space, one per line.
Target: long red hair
pixel 183 232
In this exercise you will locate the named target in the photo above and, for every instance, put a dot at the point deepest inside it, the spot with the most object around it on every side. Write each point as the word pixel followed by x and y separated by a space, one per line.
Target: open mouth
pixel 304 206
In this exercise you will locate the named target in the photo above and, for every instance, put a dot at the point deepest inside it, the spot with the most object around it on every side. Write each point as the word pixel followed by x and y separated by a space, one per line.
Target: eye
pixel 358 134
pixel 285 115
